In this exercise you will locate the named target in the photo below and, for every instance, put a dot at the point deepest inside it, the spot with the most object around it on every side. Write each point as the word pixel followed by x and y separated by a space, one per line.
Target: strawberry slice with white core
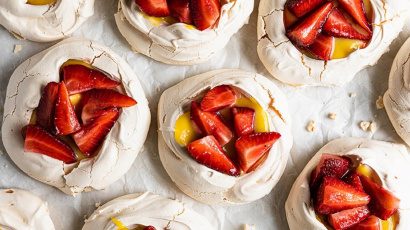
pixel 356 9
pixel 322 47
pixel 243 119
pixel 218 98
pixel 329 166
pixel 348 218
pixel 371 223
pixel 95 101
pixel 38 140
pixel 306 31
pixel 251 148
pixel 205 13
pixel 90 137
pixel 155 8
pixel 46 106
pixel 180 10
pixel 207 151
pixel 211 124
pixel 65 119
pixel 337 25
pixel 79 78
pixel 383 204
pixel 301 7
pixel 334 195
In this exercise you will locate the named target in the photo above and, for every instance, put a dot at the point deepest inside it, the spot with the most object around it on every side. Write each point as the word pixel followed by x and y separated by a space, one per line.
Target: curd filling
pixel 41 2
pixel 121 226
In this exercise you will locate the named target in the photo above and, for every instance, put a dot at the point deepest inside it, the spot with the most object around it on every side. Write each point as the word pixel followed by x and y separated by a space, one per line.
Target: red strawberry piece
pixel 334 195
pixel 329 166
pixel 180 10
pixel 302 7
pixel 150 228
pixel 90 137
pixel 205 13
pixel 79 78
pixel 95 101
pixel 354 180
pixel 356 9
pixel 208 151
pixel 348 218
pixel 65 119
pixel 251 149
pixel 337 25
pixel 322 47
pixel 243 120
pixel 155 8
pixel 211 124
pixel 371 223
pixel 383 204
pixel 46 106
pixel 38 140
pixel 218 98
pixel 305 32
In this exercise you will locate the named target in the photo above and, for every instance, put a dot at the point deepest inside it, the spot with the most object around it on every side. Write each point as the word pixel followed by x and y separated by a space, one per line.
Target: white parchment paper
pixel 147 172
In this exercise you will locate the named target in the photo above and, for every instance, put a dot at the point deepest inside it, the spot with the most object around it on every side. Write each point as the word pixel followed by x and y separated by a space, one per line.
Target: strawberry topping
pixel 180 10
pixel 329 166
pixel 354 180
pixel 205 13
pixel 348 218
pixel 65 119
pixel 338 26
pixel 243 119
pixel 301 7
pixel 46 106
pixel 371 223
pixel 356 9
pixel 218 98
pixel 322 47
pixel 156 8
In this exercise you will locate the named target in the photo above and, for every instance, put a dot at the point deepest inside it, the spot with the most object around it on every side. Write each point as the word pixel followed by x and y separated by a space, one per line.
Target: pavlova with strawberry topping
pixel 75 116
pixel 326 42
pixel 224 136
pixel 181 32
pixel 354 184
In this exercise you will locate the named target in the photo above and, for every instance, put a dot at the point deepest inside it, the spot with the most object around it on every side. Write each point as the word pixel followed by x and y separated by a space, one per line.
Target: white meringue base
pixel 22 210
pixel 122 144
pixel 389 161
pixel 207 185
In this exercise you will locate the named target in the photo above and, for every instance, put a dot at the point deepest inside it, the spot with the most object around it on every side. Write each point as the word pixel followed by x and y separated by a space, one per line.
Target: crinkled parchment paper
pixel 352 104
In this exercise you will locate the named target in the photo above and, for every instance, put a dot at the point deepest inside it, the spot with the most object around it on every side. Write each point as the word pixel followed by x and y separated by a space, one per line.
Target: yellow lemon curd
pixel 41 2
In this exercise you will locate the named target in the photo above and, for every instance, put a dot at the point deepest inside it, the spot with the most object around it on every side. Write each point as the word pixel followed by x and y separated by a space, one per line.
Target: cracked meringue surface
pixel 122 144
pixel 148 210
pixel 207 185
pixel 22 210
pixel 388 160
pixel 286 63
pixel 397 97
pixel 44 23
pixel 179 43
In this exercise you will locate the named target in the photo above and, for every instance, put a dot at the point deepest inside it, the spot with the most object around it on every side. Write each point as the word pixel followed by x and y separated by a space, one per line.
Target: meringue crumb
pixel 332 116
pixel 98 204
pixel 368 126
pixel 364 125
pixel 311 126
pixel 249 227
pixel 17 48
pixel 379 103
pixel 373 127
pixel 352 94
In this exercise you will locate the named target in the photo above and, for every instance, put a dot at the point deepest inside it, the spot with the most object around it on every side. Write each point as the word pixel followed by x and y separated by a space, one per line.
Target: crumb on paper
pixel 249 227
pixel 373 127
pixel 352 94
pixel 98 204
pixel 368 126
pixel 332 116
pixel 311 126
pixel 17 48
pixel 379 103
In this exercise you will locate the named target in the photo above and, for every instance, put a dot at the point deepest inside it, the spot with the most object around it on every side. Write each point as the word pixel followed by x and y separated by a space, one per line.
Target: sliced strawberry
pixel 251 148
pixel 302 7
pixel 38 140
pixel 243 119
pixel 205 13
pixel 348 218
pixel 338 26
pixel 305 32
pixel 155 8
pixel 329 166
pixel 384 204
pixel 90 137
pixel 218 98
pixel 65 119
pixel 354 180
pixel 211 124
pixel 322 48
pixel 180 10
pixel 208 152
pixel 95 101
pixel 79 78
pixel 149 228
pixel 371 223
pixel 356 9
pixel 334 195
pixel 46 106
